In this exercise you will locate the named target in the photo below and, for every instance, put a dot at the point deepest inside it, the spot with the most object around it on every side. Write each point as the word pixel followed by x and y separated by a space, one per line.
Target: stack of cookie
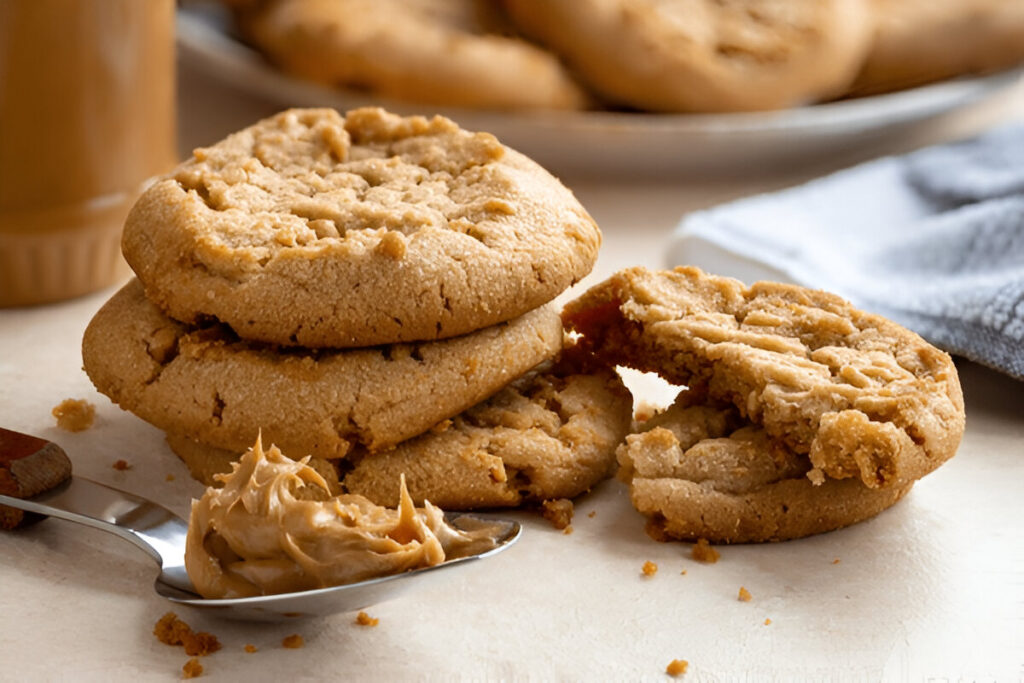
pixel 800 414
pixel 370 290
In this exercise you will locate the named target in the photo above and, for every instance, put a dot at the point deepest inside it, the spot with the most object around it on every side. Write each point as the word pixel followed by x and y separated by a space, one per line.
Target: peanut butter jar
pixel 86 117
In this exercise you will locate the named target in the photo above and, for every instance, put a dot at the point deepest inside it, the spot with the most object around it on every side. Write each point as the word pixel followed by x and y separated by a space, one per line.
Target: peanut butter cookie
pixel 204 383
pixel 548 435
pixel 317 230
pixel 450 52
pixel 699 470
pixel 858 395
pixel 920 41
pixel 705 55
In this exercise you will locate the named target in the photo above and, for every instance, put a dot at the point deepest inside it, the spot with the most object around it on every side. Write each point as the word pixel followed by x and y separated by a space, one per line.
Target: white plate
pixel 616 142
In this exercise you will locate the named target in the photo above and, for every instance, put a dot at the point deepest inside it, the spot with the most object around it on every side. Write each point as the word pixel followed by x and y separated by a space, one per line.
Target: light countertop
pixel 932 589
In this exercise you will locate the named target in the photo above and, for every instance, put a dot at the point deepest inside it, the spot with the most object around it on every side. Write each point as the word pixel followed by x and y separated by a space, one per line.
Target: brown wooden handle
pixel 28 466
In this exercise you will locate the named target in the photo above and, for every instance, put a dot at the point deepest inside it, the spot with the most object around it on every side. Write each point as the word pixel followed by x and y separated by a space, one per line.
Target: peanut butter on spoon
pixel 274 528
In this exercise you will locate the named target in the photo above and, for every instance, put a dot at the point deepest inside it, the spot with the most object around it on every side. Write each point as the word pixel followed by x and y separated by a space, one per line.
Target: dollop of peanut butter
pixel 274 528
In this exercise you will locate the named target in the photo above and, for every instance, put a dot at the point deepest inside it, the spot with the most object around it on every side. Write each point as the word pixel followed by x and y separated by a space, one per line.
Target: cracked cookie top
pixel 321 230
pixel 859 395
pixel 203 383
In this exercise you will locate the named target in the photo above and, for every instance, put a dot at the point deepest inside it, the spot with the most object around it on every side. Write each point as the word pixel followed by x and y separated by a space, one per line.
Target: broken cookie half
pixel 802 414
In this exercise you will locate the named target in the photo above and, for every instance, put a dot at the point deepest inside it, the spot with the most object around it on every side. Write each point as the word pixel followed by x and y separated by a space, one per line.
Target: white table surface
pixel 932 589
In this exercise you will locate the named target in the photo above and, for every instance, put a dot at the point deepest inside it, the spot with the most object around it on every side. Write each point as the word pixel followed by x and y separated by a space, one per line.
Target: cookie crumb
pixel 703 552
pixel 767 621
pixel 74 414
pixel 192 669
pixel 293 642
pixel 568 530
pixel 171 630
pixel 169 477
pixel 392 245
pixel 364 619
pixel 744 595
pixel 250 648
pixel 835 561
pixel 649 568
pixel 683 573
pixel 592 513
pixel 677 667
pixel 121 465
pixel 558 512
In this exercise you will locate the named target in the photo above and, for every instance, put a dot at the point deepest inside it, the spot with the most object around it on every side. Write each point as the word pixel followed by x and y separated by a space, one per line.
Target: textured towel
pixel 933 240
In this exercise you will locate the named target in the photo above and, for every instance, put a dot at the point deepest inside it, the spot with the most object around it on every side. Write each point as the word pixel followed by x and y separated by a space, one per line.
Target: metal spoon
pixel 161 533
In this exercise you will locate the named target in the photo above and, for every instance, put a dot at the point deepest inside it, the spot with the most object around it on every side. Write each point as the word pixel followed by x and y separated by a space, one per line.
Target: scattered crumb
pixel 192 669
pixel 767 621
pixel 364 619
pixel 74 414
pixel 250 648
pixel 835 561
pixel 567 530
pixel 121 465
pixel 173 631
pixel 744 595
pixel 592 513
pixel 441 427
pixel 650 568
pixel 683 572
pixel 169 477
pixel 703 552
pixel 558 512
pixel 293 642
pixel 677 667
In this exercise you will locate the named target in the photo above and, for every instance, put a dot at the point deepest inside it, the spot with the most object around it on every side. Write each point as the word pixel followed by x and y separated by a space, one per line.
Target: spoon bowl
pixel 162 534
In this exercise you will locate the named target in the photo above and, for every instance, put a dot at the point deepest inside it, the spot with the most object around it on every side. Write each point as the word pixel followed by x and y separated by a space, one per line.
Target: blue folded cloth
pixel 933 240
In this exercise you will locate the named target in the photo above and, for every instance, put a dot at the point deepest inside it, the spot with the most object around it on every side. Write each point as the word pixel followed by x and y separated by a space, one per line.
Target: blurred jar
pixel 86 117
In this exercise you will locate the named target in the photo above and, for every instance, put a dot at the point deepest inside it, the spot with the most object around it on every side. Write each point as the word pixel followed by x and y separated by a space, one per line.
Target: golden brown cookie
pixel 920 41
pixel 704 55
pixel 203 383
pixel 548 435
pixel 858 394
pixel 317 230
pixel 449 52
pixel 699 470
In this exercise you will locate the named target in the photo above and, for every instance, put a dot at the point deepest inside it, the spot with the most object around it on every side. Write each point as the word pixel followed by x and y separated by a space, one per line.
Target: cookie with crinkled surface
pixel 859 395
pixel 699 470
pixel 446 52
pixel 204 383
pixel 317 230
pixel 704 55
pixel 551 434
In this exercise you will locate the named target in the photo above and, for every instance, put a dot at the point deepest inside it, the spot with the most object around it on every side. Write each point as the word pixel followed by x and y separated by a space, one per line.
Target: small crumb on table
pixel 558 512
pixel 364 619
pixel 250 648
pixel 192 669
pixel 835 561
pixel 74 414
pixel 744 595
pixel 677 667
pixel 293 642
pixel 121 465
pixel 171 630
pixel 649 568
pixel 767 621
pixel 169 477
pixel 703 552
pixel 592 513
